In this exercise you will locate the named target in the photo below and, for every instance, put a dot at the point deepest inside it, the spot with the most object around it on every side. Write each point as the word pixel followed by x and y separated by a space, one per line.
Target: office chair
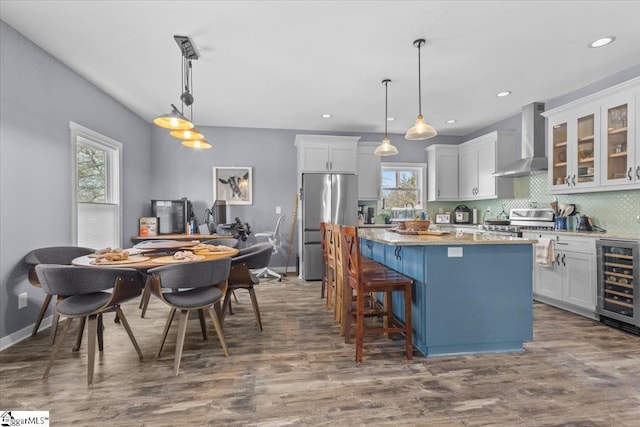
pixel 274 238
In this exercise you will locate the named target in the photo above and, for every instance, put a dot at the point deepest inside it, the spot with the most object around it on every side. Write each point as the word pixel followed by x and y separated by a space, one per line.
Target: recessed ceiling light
pixel 505 93
pixel 326 116
pixel 451 121
pixel 390 119
pixel 603 41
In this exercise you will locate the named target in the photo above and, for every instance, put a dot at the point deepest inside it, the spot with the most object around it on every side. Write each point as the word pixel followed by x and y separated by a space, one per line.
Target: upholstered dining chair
pixel 231 242
pixel 194 286
pixel 87 298
pixel 62 255
pixel 241 277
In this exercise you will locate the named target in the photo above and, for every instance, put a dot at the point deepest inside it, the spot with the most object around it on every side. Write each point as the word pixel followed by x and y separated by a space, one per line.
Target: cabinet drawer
pixel 584 245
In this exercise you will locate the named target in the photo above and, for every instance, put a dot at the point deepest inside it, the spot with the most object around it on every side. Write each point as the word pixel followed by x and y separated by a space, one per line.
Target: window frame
pixel 422 179
pixel 114 169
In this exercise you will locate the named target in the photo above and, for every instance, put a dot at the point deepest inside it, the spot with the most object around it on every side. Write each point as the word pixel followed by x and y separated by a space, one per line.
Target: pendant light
pixel 420 129
pixel 385 149
pixel 173 120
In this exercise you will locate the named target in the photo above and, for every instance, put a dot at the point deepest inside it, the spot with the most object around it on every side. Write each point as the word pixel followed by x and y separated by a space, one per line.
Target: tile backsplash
pixel 614 211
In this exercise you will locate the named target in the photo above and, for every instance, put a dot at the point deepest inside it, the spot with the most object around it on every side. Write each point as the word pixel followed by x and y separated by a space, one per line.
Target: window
pixel 403 184
pixel 96 189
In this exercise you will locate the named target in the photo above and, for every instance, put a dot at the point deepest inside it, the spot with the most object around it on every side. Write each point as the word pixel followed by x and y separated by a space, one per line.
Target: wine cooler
pixel 618 284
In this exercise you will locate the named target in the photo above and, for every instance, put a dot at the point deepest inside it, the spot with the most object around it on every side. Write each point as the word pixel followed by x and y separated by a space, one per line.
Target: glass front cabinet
pixel 593 142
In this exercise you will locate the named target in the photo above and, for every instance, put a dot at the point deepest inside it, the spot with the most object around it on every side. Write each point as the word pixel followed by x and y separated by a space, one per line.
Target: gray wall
pixel 38 97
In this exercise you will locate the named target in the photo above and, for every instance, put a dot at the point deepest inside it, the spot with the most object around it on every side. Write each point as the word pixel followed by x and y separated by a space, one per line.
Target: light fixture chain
pixel 386 101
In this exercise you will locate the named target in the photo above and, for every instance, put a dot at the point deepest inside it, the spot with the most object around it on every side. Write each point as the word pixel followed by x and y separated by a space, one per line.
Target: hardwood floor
pixel 576 372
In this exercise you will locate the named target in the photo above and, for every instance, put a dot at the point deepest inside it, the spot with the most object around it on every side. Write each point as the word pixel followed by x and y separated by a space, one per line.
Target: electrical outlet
pixel 278 210
pixel 22 300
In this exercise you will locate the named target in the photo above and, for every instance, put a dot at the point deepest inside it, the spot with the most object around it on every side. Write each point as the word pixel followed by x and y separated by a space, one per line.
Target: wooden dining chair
pixel 194 286
pixel 90 292
pixel 331 266
pixel 375 279
pixel 323 247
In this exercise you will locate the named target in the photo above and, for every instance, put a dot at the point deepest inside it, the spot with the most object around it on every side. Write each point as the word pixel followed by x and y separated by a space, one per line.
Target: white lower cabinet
pixel 570 282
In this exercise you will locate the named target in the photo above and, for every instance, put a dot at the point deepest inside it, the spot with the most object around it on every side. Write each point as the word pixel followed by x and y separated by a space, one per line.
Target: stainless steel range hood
pixel 533 144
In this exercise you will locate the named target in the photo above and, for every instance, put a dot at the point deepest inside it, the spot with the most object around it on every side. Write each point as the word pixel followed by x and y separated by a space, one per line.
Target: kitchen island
pixel 472 292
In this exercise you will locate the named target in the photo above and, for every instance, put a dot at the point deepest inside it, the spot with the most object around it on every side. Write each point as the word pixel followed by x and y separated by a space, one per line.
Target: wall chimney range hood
pixel 533 159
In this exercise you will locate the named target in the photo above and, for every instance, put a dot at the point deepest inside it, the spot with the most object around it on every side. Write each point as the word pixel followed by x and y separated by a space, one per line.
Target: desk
pixel 201 237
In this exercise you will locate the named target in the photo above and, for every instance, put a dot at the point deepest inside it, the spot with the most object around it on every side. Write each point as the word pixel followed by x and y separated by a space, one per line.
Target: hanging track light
pixel 385 149
pixel 420 129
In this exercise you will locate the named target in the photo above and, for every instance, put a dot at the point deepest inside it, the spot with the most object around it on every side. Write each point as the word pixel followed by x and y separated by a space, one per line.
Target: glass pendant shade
pixel 385 149
pixel 200 144
pixel 174 120
pixel 420 130
pixel 190 134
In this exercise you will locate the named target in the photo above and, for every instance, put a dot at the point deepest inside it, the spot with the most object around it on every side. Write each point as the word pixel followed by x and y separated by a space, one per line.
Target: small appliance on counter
pixel 462 214
pixel 173 215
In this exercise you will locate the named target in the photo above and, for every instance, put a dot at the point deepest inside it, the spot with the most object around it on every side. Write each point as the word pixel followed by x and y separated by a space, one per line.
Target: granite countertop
pixel 391 238
pixel 593 234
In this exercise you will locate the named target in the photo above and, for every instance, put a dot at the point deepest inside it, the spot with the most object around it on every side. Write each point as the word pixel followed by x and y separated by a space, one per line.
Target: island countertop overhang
pixel 391 238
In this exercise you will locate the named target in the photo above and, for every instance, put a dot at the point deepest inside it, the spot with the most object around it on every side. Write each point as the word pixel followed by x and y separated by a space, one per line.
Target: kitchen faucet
pixel 410 203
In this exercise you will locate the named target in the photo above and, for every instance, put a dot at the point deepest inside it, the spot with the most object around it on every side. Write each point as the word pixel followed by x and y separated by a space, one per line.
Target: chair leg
pixel 127 328
pixel 76 347
pixel 92 332
pixel 100 331
pixel 359 327
pixel 56 348
pixel 408 324
pixel 387 320
pixel 218 327
pixel 182 330
pixel 203 325
pixel 226 305
pixel 167 325
pixel 43 310
pixel 144 301
pixel 54 328
pixel 254 302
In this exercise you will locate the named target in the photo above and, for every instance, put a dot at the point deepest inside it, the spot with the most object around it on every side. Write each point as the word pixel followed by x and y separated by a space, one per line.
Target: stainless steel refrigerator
pixel 325 197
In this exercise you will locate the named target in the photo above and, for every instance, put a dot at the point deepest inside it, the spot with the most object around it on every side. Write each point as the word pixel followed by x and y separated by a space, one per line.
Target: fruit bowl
pixel 417 225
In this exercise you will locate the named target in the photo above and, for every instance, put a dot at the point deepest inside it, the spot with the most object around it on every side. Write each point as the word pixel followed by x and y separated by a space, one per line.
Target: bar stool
pixel 374 280
pixel 331 266
pixel 323 246
pixel 339 276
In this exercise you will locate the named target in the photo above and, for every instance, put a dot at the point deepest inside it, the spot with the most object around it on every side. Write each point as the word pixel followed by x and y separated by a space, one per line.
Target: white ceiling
pixel 281 64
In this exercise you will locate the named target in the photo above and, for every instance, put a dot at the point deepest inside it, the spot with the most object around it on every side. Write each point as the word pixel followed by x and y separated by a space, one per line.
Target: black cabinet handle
pixel 558 259
pixel 638 172
pixel 568 180
pixel 563 263
pixel 629 174
pixel 573 180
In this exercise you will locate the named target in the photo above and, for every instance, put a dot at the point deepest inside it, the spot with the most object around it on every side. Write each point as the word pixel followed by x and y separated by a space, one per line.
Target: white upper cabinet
pixel 368 171
pixel 593 142
pixel 478 159
pixel 442 172
pixel 327 153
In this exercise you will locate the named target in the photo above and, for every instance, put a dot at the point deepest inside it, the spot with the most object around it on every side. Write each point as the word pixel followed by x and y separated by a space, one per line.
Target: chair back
pixel 339 256
pixel 323 240
pixel 56 255
pixel 62 255
pixel 67 280
pixel 225 241
pixel 200 274
pixel 256 256
pixel 351 256
pixel 331 249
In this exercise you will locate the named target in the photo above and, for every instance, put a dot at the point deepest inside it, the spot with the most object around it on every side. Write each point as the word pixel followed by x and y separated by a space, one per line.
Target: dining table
pixel 145 257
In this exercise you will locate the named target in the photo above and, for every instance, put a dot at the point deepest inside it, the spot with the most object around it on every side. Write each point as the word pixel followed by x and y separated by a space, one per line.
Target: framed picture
pixel 233 185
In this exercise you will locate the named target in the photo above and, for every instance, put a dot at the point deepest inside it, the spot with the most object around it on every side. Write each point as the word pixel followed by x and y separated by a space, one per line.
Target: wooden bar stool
pixel 373 280
pixel 339 276
pixel 323 246
pixel 331 266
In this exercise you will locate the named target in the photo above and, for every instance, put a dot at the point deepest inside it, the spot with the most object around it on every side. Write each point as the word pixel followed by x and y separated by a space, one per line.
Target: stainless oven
pixel 618 283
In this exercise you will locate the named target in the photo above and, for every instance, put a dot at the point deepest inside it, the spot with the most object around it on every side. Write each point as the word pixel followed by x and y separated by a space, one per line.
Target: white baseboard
pixel 23 334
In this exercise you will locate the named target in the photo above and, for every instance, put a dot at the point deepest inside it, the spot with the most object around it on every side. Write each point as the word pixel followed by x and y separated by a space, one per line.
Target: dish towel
pixel 544 252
